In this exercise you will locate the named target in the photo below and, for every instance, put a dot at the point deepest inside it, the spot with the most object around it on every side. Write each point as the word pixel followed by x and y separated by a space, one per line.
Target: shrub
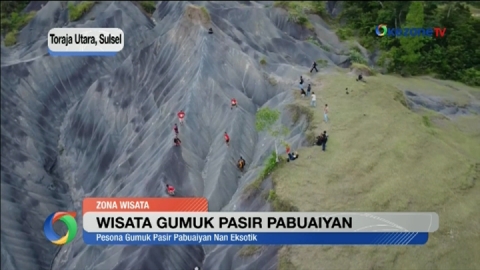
pixel 11 38
pixel 13 23
pixel 263 61
pixel 269 167
pixel 297 11
pixel 75 12
pixel 470 76
pixel 314 41
pixel 344 33
pixel 297 111
pixel 357 57
pixel 148 6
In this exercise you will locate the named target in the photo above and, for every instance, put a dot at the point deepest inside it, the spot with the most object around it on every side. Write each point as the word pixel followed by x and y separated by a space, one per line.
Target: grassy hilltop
pixel 381 156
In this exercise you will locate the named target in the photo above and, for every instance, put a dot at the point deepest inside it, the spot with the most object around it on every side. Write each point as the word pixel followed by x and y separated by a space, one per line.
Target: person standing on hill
pixel 314 67
pixel 181 115
pixel 227 138
pixel 175 129
pixel 309 88
pixel 313 103
pixel 177 141
pixel 234 103
pixel 301 84
pixel 325 113
pixel 241 163
pixel 324 140
pixel 170 190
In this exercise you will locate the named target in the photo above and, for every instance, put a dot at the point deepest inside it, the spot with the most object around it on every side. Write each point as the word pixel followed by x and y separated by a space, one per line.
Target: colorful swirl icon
pixel 381 30
pixel 68 218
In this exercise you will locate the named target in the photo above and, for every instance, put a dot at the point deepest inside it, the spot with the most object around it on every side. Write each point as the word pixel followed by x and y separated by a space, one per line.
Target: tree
pixel 267 120
pixel 411 46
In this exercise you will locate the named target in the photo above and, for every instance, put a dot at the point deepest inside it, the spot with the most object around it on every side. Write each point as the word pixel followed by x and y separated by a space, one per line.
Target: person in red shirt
pixel 170 190
pixel 175 129
pixel 181 115
pixel 227 138
pixel 234 103
pixel 288 149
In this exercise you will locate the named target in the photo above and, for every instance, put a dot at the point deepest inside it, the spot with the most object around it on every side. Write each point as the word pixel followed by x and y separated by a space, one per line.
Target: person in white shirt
pixel 325 113
pixel 313 103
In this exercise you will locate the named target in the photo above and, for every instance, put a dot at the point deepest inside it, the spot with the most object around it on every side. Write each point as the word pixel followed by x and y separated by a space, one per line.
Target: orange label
pixel 145 205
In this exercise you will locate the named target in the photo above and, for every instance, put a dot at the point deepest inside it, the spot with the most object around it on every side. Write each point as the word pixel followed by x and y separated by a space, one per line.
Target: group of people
pixel 177 142
pixel 321 140
pixel 313 102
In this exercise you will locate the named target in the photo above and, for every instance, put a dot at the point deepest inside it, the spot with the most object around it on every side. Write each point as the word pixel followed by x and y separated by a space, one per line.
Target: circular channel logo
pixel 68 219
pixel 381 30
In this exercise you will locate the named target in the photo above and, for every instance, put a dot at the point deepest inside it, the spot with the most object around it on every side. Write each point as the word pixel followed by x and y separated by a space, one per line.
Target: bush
pixel 269 165
pixel 344 33
pixel 297 111
pixel 148 6
pixel 297 11
pixel 14 23
pixel 314 41
pixel 357 57
pixel 322 62
pixel 10 38
pixel 470 76
pixel 75 12
pixel 263 61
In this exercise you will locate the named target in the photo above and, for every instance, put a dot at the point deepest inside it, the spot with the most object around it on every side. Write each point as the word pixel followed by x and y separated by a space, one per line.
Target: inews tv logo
pixel 382 30
pixel 68 218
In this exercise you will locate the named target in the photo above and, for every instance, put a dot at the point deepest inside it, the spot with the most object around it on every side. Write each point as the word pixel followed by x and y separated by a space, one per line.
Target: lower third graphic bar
pixel 349 238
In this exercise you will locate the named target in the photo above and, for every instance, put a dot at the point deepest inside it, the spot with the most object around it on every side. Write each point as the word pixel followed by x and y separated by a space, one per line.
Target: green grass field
pixel 383 157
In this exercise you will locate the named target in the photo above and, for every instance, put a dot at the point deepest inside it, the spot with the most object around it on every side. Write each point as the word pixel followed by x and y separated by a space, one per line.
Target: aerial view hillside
pixel 285 106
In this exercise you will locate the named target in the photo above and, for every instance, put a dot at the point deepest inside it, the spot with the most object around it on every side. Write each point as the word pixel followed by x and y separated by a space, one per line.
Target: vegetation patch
pixel 269 166
pixel 296 112
pixel 280 205
pixel 357 57
pixel 363 69
pixel 400 97
pixel 272 81
pixel 263 61
pixel 426 121
pixel 298 11
pixel 148 6
pixel 284 262
pixel 13 20
pixel 76 12
pixel 322 62
pixel 248 251
pixel 205 13
pixel 344 33
pixel 419 56
pixel 314 41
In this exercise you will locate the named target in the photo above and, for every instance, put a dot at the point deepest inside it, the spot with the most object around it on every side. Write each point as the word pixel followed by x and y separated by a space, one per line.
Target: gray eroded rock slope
pixel 96 126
